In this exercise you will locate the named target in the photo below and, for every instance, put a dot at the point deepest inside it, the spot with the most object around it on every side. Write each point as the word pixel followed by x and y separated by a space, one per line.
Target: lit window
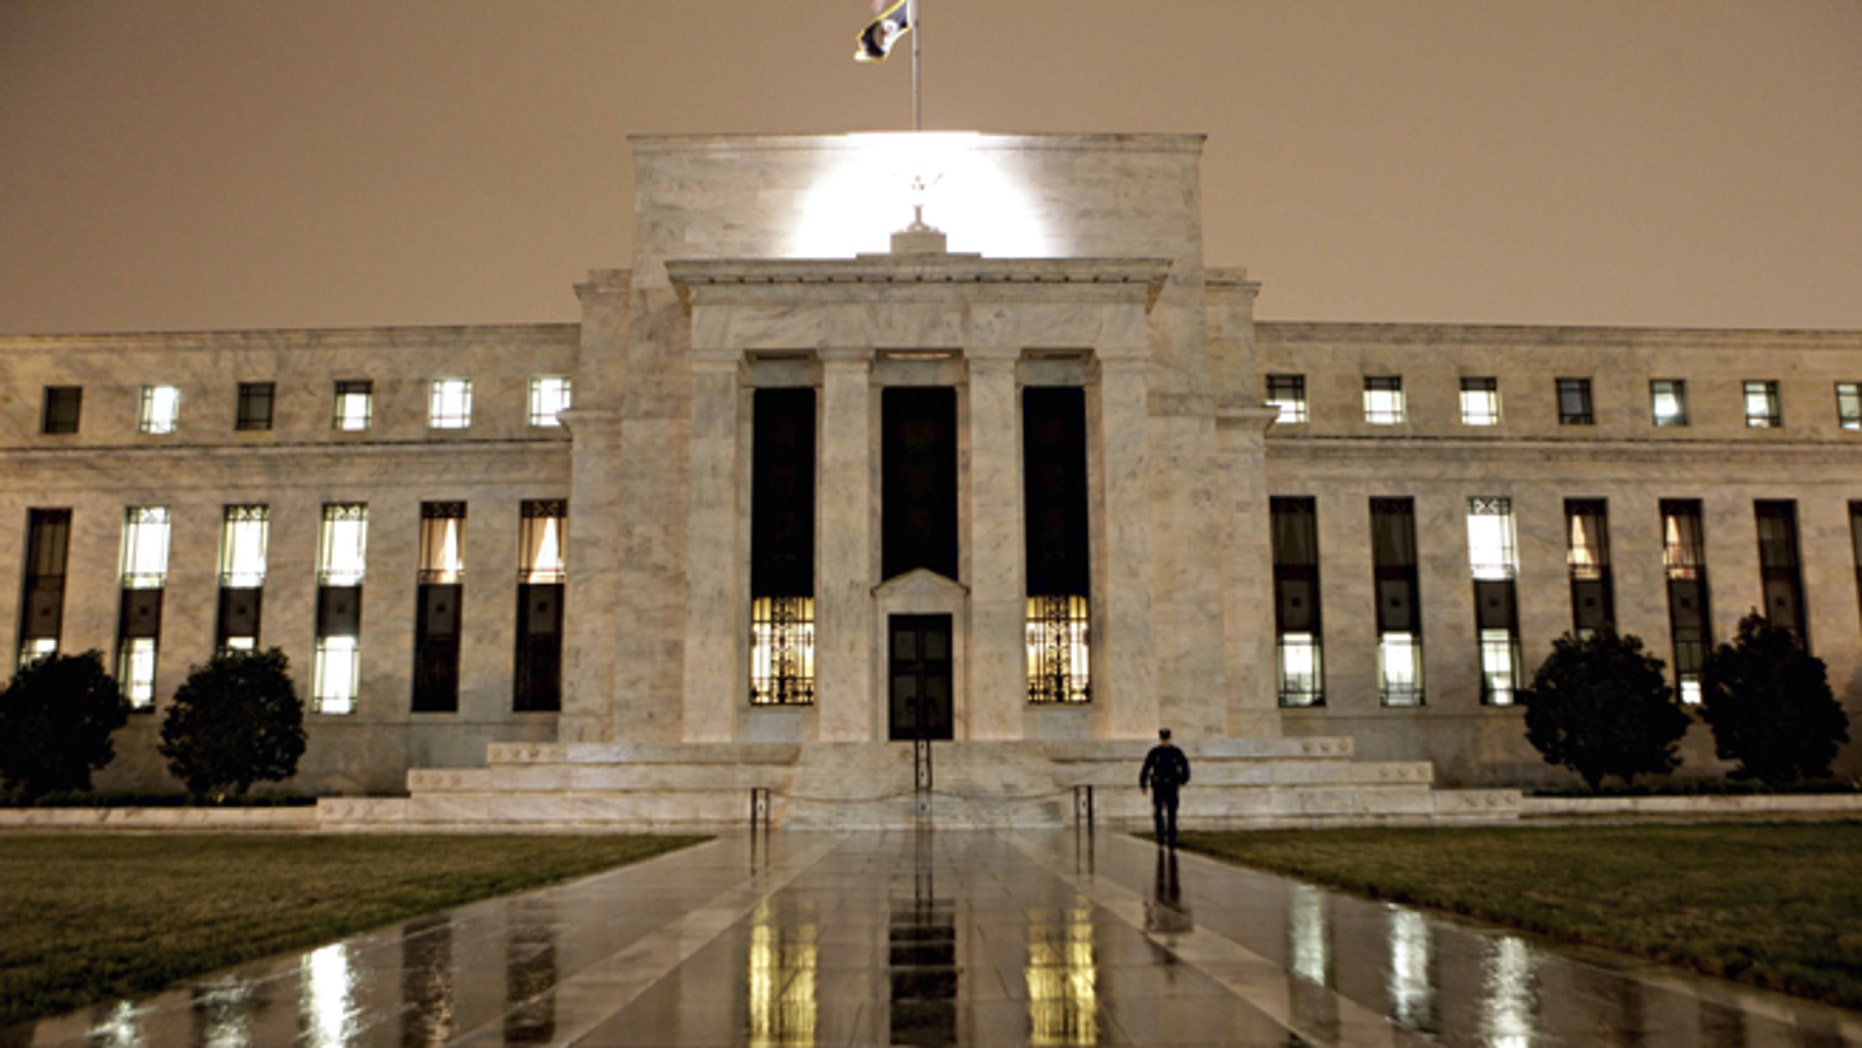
pixel 254 410
pixel 1491 552
pixel 1499 667
pixel 782 651
pixel 136 672
pixel 344 547
pixel 145 547
pixel 1574 407
pixel 61 408
pixel 161 409
pixel 1684 561
pixel 1762 408
pixel 1059 651
pixel 1668 401
pixel 442 542
pixel 1399 669
pixel 336 673
pixel 542 538
pixel 32 649
pixel 1288 394
pixel 354 404
pixel 242 546
pixel 1300 679
pixel 549 394
pixel 1383 400
pixel 1480 402
pixel 450 406
pixel 1849 405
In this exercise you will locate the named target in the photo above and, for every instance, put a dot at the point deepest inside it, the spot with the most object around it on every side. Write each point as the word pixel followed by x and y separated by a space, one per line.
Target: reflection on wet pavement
pixel 936 938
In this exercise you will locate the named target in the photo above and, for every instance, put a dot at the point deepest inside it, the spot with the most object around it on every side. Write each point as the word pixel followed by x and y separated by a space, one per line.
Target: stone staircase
pixel 669 787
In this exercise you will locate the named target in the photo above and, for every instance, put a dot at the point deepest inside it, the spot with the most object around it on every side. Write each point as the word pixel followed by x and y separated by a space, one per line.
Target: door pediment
pixel 920 586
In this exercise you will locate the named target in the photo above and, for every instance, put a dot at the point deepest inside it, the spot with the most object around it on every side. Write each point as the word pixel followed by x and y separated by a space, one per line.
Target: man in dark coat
pixel 1165 769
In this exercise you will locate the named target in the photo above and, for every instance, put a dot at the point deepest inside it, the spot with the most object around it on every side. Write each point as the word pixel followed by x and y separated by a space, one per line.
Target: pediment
pixel 923 583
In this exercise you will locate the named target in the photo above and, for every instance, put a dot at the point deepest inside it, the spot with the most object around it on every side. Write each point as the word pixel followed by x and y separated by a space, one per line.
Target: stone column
pixel 997 655
pixel 591 614
pixel 714 572
pixel 1248 573
pixel 1124 643
pixel 844 549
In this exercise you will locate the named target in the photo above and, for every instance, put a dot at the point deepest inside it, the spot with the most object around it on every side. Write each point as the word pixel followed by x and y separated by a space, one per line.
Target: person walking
pixel 1165 770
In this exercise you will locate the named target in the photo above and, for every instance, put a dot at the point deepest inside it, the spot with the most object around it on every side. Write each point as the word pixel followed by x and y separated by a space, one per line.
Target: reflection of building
pixel 1064 488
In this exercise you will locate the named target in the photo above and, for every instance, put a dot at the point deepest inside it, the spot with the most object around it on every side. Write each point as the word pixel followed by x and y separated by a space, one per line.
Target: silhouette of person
pixel 1165 770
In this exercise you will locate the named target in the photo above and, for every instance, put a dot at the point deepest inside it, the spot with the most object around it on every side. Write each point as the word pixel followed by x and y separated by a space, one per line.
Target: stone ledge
pixel 295 818
pixel 1696 806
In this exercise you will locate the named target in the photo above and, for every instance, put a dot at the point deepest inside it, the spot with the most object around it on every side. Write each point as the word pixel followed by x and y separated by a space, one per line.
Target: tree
pixel 235 721
pixel 1769 704
pixel 56 717
pixel 1600 706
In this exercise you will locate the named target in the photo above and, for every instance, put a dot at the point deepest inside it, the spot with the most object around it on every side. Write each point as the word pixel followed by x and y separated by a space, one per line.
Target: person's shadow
pixel 1165 911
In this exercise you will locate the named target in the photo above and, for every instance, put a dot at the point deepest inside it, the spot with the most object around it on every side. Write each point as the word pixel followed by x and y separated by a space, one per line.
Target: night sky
pixel 193 164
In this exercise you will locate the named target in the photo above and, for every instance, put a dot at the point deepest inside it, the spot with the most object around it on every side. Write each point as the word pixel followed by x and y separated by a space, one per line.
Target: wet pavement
pixel 961 937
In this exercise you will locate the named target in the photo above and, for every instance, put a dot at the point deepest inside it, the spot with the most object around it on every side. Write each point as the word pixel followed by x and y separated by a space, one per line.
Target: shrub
pixel 235 721
pixel 1769 704
pixel 1600 706
pixel 56 717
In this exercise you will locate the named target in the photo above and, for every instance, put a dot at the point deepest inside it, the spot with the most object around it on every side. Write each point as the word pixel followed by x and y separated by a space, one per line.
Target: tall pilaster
pixel 715 567
pixel 591 619
pixel 1124 641
pixel 844 549
pixel 997 651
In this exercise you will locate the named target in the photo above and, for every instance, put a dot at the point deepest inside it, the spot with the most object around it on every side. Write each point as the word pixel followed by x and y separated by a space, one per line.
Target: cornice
pixel 694 278
pixel 563 336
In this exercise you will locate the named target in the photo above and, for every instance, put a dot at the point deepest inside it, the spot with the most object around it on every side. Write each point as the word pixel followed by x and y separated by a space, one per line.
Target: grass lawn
pixel 1776 905
pixel 85 918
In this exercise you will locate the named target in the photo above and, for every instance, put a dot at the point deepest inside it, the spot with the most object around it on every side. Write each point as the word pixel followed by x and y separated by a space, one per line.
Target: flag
pixel 877 38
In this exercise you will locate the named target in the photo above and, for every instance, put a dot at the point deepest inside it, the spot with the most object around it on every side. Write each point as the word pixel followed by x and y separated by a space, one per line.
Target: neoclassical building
pixel 1024 475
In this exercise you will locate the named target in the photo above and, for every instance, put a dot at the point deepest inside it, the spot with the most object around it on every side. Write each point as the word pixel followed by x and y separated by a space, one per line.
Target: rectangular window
pixel 782 547
pixel 549 394
pixel 541 570
pixel 449 406
pixel 1684 561
pixel 1763 410
pixel 1480 402
pixel 437 617
pixel 254 410
pixel 1399 619
pixel 1288 394
pixel 243 537
pixel 160 411
pixel 1574 407
pixel 1587 556
pixel 1383 400
pixel 355 404
pixel 1493 559
pixel 42 596
pixel 1668 401
pixel 341 560
pixel 1295 532
pixel 139 622
pixel 1855 541
pixel 1056 544
pixel 1849 405
pixel 1780 569
pixel 61 409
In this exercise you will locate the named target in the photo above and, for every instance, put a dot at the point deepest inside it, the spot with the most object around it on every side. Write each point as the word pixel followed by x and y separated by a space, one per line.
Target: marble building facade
pixel 1243 486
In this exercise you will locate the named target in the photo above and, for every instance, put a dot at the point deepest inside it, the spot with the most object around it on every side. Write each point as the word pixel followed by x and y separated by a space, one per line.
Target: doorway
pixel 919 668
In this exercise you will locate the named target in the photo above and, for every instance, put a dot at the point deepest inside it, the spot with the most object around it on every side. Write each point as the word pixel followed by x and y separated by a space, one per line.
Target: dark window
pixel 436 623
pixel 255 406
pixel 1684 561
pixel 1399 617
pixel 918 480
pixel 1574 408
pixel 1587 555
pixel 1299 651
pixel 62 406
pixel 42 589
pixel 541 570
pixel 782 547
pixel 1780 570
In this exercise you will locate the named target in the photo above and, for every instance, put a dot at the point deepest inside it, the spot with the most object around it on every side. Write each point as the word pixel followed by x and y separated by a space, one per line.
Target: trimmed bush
pixel 235 721
pixel 1769 704
pixel 1600 706
pixel 56 717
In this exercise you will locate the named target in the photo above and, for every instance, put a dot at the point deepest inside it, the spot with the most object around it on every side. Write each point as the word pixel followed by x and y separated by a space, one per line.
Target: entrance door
pixel 920 671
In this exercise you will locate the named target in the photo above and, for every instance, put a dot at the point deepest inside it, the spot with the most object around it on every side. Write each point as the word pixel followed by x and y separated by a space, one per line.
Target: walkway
pixel 943 938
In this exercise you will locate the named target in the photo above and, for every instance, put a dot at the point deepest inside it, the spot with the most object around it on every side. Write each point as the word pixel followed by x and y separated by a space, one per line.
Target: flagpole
pixel 918 111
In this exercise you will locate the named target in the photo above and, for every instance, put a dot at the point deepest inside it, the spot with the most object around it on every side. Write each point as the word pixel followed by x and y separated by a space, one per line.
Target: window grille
pixel 145 547
pixel 1301 683
pixel 1399 669
pixel 337 674
pixel 542 541
pixel 1849 405
pixel 450 404
pixel 243 536
pixel 1059 662
pixel 1491 551
pixel 1684 561
pixel 1499 666
pixel 442 542
pixel 344 550
pixel 782 651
